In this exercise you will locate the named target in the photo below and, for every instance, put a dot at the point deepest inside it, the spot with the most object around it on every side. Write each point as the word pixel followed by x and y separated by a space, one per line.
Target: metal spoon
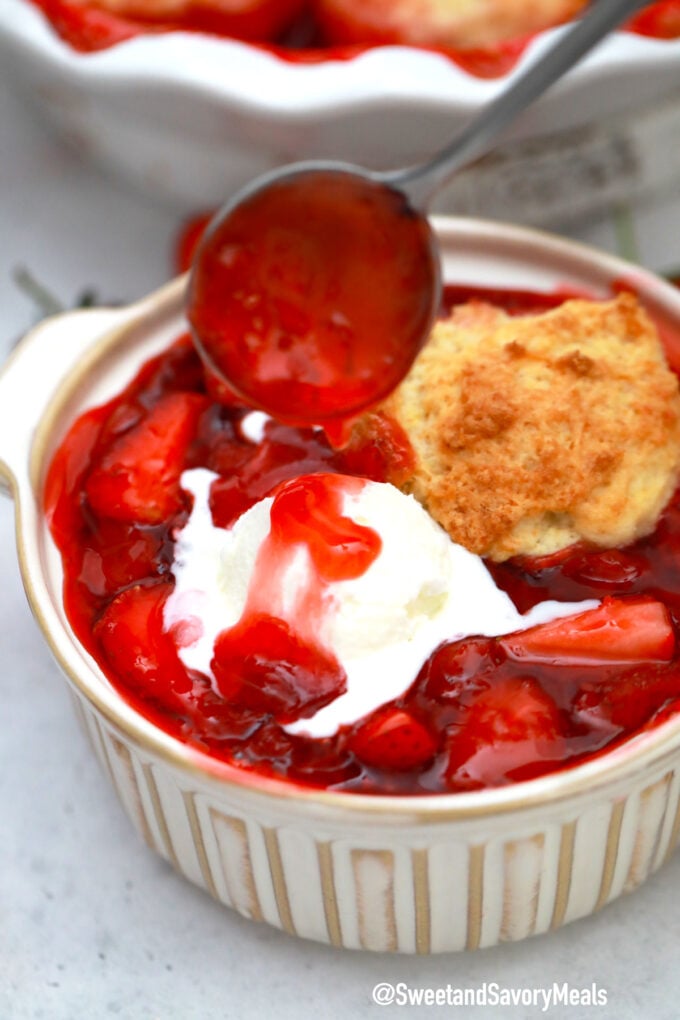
pixel 315 286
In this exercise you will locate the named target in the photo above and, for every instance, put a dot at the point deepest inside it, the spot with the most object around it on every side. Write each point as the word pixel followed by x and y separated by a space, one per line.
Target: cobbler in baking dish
pixel 485 36
pixel 481 587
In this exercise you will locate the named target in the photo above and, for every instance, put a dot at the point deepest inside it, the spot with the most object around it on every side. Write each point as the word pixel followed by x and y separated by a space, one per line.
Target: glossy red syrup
pixel 290 674
pixel 88 30
pixel 282 305
pixel 480 713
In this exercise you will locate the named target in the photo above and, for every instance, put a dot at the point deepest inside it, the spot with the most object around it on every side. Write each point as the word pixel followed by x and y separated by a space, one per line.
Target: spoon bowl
pixel 315 287
pixel 313 291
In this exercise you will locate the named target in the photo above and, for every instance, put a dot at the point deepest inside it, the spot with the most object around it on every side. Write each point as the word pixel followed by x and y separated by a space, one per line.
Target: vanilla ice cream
pixel 420 590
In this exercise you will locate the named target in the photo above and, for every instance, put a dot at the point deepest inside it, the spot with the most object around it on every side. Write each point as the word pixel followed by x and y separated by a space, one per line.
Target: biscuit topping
pixel 533 433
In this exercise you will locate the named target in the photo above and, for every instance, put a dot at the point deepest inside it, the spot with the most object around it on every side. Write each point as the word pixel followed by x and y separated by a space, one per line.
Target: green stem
pixel 626 242
pixel 43 298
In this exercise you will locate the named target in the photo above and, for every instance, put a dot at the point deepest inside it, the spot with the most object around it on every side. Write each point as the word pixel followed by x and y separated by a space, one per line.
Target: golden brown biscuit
pixel 531 433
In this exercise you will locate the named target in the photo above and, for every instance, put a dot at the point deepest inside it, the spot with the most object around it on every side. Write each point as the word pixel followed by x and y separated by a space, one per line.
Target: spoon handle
pixel 421 182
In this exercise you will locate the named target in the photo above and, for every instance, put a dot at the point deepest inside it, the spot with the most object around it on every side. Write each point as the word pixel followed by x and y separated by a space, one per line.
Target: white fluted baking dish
pixel 426 874
pixel 189 118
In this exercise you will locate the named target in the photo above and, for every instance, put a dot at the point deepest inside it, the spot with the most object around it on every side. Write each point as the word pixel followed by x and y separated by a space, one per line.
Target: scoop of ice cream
pixel 380 611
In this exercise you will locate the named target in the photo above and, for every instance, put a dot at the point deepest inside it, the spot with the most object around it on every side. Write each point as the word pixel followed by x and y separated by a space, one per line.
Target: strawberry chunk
pixel 137 479
pixel 135 645
pixel 118 554
pixel 66 473
pixel 618 630
pixel 392 739
pixel 263 666
pixel 457 667
pixel 506 732
pixel 629 699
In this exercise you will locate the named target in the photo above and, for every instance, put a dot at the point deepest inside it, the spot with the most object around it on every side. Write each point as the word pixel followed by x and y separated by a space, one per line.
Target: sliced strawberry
pixel 627 699
pixel 392 739
pixel 379 448
pixel 262 665
pixel 137 479
pixel 118 554
pixel 506 732
pixel 618 630
pixel 283 454
pixel 136 646
pixel 67 470
pixel 457 667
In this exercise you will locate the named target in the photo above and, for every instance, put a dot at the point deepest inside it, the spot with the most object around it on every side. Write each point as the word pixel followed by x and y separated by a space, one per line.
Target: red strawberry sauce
pixel 478 714
pixel 295 324
pixel 306 513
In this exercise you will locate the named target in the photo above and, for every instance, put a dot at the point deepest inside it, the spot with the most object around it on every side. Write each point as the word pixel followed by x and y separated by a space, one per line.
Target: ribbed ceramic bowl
pixel 189 118
pixel 428 874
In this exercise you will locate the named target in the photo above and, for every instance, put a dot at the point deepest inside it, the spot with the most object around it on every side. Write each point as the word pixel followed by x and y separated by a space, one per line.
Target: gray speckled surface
pixel 92 924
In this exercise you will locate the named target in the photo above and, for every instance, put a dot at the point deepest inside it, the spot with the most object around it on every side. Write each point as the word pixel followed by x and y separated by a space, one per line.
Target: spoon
pixel 314 288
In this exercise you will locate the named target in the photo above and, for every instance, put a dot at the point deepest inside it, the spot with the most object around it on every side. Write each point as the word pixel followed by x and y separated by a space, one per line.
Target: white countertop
pixel 92 924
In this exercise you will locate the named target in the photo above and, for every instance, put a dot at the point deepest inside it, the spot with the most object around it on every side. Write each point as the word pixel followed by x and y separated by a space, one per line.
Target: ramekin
pixel 405 874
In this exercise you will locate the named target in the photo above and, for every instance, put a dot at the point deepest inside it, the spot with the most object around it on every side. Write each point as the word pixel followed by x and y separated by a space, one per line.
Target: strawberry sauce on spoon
pixel 313 294
pixel 314 289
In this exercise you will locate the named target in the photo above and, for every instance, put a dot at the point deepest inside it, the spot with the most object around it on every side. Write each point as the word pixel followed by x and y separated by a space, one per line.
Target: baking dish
pixel 189 118
pixel 413 875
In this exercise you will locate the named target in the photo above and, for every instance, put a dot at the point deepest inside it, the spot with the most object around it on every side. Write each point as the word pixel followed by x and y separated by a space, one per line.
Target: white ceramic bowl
pixel 189 118
pixel 426 874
